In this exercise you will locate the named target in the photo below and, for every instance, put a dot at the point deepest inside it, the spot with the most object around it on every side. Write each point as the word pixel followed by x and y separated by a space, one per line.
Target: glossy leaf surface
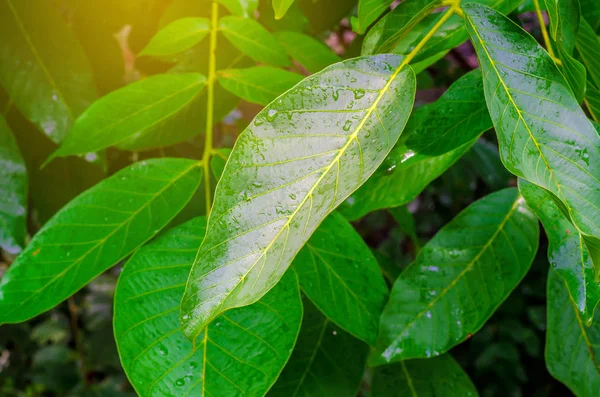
pixel 42 67
pixel 326 362
pixel 254 40
pixel 284 177
pixel 439 376
pixel 281 7
pixel 241 353
pixel 567 252
pixel 177 37
pixel 572 348
pixel 544 135
pixel 140 115
pixel 459 279
pixel 93 232
pixel 436 136
pixel 307 51
pixel 259 84
pixel 368 12
pixel 338 272
pixel 13 192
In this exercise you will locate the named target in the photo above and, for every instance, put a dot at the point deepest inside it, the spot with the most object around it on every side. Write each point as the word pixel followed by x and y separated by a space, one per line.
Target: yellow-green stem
pixel 545 35
pixel 210 105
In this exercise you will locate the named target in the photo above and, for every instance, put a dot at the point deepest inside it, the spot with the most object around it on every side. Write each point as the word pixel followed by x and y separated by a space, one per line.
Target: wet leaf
pixel 241 352
pixel 326 362
pixel 309 52
pixel 459 279
pixel 177 37
pixel 440 376
pixel 253 40
pixel 281 7
pixel 259 84
pixel 284 177
pixel 93 232
pixel 567 252
pixel 138 116
pixel 13 192
pixel 338 272
pixel 42 67
pixel 544 135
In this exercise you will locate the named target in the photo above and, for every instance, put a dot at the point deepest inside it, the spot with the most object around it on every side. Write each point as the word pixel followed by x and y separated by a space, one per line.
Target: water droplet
pixel 271 114
pixel 292 196
pixel 163 351
pixel 180 382
pixel 390 169
pixel 359 93
pixel 336 95
pixel 347 125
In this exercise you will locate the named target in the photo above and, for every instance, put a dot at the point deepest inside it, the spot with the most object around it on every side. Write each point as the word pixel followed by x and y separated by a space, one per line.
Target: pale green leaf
pixel 259 84
pixel 240 354
pixel 218 161
pixel 177 37
pixel 368 12
pixel 338 272
pixel 459 279
pixel 281 7
pixel 93 232
pixel 309 52
pixel 285 176
pixel 240 8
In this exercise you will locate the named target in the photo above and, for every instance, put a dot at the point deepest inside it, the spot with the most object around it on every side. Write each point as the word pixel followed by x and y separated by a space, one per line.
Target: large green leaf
pixel 368 12
pixel 393 27
pixel 588 47
pixel 592 12
pixel 281 7
pixel 566 251
pixel 285 176
pixel 142 115
pixel 13 192
pixel 259 84
pixel 241 8
pixel 251 38
pixel 592 101
pixel 338 272
pixel 42 66
pixel 440 376
pixel 544 135
pixel 459 279
pixel 177 37
pixel 436 136
pixel 218 161
pixel 564 18
pixel 240 354
pixel 309 52
pixel 326 362
pixel 571 347
pixel 93 232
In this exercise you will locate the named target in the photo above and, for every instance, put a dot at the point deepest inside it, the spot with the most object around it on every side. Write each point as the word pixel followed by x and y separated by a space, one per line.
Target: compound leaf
pixel 177 37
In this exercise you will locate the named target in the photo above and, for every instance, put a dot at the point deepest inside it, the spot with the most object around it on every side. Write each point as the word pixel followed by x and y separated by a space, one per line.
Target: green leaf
pixel 393 27
pixel 436 136
pixel 281 7
pixel 406 221
pixel 592 12
pixel 13 192
pixel 218 161
pixel 251 38
pixel 177 37
pixel 93 232
pixel 459 279
pixel 240 8
pixel 592 101
pixel 440 376
pixel 484 159
pixel 564 18
pixel 326 362
pixel 309 52
pixel 574 72
pixel 588 48
pixel 338 272
pixel 241 353
pixel 566 251
pixel 284 177
pixel 42 66
pixel 571 347
pixel 544 135
pixel 259 84
pixel 141 115
pixel 368 12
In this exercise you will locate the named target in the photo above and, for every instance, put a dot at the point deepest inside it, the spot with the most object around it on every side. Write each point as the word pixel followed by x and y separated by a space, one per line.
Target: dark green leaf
pixel 571 347
pixel 440 376
pixel 436 136
pixel 309 52
pixel 241 353
pixel 574 72
pixel 340 275
pixel 260 84
pixel 138 116
pixel 13 192
pixel 93 232
pixel 564 18
pixel 240 8
pixel 177 37
pixel 484 159
pixel 42 66
pixel 326 362
pixel 566 252
pixel 588 47
pixel 284 177
pixel 543 133
pixel 281 7
pixel 368 12
pixel 406 221
pixel 459 279
pixel 254 40
pixel 592 101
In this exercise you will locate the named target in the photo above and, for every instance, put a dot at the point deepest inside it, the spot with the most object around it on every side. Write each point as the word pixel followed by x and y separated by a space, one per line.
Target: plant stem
pixel 210 105
pixel 540 16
